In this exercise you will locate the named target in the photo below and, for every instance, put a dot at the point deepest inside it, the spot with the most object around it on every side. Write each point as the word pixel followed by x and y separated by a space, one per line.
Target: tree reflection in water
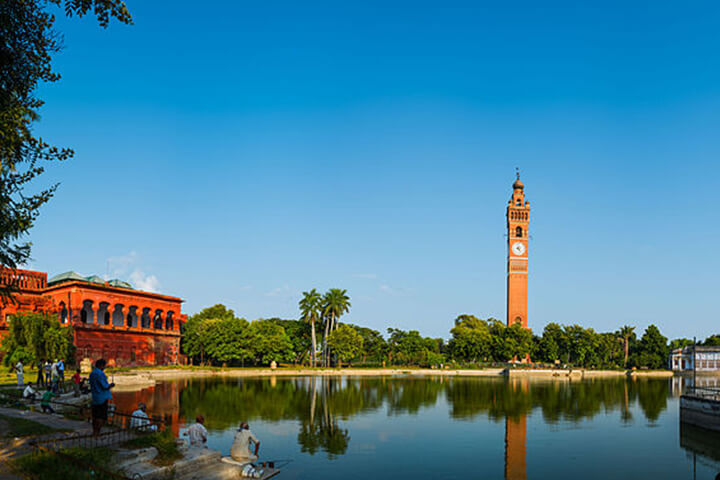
pixel 321 403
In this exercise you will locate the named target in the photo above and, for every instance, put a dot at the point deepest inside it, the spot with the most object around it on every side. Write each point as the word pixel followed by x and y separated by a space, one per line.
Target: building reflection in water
pixel 516 436
pixel 321 404
pixel 162 400
pixel 702 445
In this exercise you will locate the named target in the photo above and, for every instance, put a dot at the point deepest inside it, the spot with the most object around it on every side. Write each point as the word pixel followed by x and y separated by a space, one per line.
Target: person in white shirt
pixel 197 432
pixel 140 419
pixel 29 392
pixel 240 450
pixel 19 373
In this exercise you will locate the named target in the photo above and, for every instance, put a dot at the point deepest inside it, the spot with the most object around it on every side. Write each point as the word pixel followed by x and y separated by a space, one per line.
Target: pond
pixel 447 428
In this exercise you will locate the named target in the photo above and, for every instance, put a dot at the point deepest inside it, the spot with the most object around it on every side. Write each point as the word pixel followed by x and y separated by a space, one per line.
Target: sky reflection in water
pixel 434 427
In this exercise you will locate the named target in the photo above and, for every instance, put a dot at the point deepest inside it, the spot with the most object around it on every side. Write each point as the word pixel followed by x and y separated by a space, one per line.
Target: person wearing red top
pixel 76 382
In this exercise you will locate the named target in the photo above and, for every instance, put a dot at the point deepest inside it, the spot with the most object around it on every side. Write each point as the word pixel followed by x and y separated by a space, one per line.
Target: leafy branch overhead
pixel 29 41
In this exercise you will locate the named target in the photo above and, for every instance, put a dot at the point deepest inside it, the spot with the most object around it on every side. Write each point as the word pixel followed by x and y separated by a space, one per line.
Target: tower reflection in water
pixel 516 437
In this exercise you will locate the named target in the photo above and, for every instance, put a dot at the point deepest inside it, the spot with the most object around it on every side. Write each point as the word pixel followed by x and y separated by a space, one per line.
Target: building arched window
pixel 518 232
pixel 518 320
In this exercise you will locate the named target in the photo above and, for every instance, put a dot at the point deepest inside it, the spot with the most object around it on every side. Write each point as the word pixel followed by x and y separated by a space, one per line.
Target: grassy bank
pixel 11 427
pixel 69 464
pixel 164 442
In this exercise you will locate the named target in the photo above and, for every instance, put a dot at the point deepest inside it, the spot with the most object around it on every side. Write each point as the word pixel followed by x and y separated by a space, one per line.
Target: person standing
pixel 240 450
pixel 76 383
pixel 19 373
pixel 61 371
pixel 100 390
pixel 55 376
pixel 40 377
pixel 46 368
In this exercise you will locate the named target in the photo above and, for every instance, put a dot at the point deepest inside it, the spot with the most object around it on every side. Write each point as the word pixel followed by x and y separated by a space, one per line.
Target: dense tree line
pixel 216 336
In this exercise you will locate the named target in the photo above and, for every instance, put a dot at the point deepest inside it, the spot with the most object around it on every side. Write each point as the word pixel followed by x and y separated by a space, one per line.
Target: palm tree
pixel 310 308
pixel 335 304
pixel 624 336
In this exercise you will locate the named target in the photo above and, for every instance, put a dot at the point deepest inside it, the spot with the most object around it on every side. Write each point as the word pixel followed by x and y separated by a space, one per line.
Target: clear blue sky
pixel 242 152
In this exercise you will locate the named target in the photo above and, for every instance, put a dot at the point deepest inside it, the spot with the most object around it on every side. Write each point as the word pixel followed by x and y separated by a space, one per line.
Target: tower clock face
pixel 518 248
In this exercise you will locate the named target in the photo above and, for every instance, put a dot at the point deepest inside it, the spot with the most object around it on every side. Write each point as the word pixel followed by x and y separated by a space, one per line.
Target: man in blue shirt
pixel 100 390
pixel 61 371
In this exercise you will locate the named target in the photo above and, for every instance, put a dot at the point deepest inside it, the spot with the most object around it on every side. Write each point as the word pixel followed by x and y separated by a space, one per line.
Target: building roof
pixel 74 276
pixel 698 349
pixel 119 283
pixel 64 277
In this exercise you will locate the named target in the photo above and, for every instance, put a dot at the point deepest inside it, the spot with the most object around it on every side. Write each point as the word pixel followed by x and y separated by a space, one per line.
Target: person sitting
pixel 240 450
pixel 45 402
pixel 84 387
pixel 140 419
pixel 29 393
pixel 197 432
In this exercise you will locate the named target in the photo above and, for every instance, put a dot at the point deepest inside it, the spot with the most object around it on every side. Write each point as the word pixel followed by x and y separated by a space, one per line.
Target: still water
pixel 447 428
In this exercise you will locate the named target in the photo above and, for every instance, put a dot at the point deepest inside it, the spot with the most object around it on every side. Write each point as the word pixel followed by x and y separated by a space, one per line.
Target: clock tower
pixel 518 220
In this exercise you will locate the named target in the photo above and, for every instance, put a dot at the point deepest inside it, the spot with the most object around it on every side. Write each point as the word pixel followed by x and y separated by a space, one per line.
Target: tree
pixel 681 343
pixel 374 346
pixel 298 332
pixel 36 336
pixel 270 342
pixel 229 339
pixel 345 342
pixel 196 339
pixel 625 334
pixel 334 304
pixel 553 343
pixel 28 44
pixel 711 341
pixel 652 349
pixel 471 339
pixel 310 306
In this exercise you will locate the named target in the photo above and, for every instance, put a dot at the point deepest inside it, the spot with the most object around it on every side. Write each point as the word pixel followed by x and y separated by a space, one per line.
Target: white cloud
pixel 125 267
pixel 395 291
pixel 283 291
pixel 148 283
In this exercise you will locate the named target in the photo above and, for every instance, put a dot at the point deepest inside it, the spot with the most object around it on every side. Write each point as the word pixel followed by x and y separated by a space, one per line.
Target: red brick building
pixel 110 319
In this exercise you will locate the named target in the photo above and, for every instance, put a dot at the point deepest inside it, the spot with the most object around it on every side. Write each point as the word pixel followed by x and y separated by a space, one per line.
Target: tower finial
pixel 518 184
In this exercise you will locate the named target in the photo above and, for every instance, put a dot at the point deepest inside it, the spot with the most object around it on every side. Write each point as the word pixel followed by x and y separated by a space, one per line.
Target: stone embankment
pixel 196 464
pixel 140 378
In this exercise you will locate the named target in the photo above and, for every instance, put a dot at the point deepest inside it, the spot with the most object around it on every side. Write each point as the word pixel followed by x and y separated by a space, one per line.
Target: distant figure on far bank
pixel 100 390
pixel 19 373
pixel 240 450
pixel 197 433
